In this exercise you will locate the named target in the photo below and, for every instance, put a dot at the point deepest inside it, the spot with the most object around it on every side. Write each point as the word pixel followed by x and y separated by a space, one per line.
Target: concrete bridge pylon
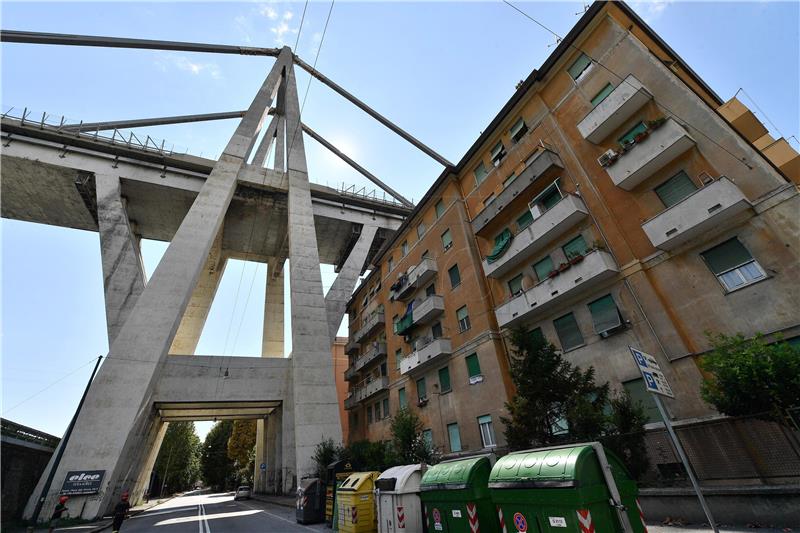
pixel 147 380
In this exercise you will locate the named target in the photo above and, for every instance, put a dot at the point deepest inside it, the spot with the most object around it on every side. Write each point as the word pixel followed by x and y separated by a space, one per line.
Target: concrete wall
pixel 22 464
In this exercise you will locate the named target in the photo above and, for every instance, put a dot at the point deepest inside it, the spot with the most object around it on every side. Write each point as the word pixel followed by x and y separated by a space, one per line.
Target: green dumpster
pixel 563 490
pixel 456 499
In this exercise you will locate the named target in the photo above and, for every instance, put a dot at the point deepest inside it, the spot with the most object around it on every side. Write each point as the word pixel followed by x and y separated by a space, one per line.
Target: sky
pixel 440 70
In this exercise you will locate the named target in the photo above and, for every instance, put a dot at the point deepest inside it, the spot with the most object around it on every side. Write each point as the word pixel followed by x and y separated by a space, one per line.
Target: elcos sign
pixel 83 482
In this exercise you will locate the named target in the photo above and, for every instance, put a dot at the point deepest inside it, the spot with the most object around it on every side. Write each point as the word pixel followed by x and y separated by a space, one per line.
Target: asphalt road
pixel 216 513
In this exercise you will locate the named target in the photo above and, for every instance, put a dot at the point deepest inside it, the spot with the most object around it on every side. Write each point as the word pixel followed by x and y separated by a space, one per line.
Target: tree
pixel 241 448
pixel 178 461
pixel 216 467
pixel 557 402
pixel 408 442
pixel 750 376
pixel 325 453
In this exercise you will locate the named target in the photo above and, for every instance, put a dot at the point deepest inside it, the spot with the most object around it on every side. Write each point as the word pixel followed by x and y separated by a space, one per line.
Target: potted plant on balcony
pixel 553 273
pixel 575 259
pixel 642 135
pixel 563 266
pixel 657 123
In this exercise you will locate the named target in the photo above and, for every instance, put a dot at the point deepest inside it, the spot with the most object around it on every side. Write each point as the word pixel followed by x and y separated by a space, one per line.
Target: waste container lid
pixel 456 474
pixel 306 483
pixel 359 482
pixel 406 478
pixel 561 468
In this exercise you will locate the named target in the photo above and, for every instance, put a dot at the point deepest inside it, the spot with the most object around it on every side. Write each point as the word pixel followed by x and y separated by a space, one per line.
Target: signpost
pixel 656 382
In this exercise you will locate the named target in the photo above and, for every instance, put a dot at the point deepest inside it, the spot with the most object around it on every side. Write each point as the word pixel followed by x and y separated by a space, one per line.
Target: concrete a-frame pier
pixel 146 381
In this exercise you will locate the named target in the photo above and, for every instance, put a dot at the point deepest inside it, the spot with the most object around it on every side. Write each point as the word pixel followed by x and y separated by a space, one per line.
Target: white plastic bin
pixel 397 497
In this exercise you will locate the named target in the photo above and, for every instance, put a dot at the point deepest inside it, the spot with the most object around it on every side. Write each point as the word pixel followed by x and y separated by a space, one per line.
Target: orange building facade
pixel 614 201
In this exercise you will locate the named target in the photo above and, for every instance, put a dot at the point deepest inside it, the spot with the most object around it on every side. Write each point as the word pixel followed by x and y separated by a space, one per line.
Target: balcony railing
pixel 543 161
pixel 427 310
pixel 620 105
pixel 378 350
pixel 550 225
pixel 424 355
pixel 351 347
pixel 408 284
pixel 596 267
pixel 649 155
pixel 693 216
pixel 362 392
pixel 371 325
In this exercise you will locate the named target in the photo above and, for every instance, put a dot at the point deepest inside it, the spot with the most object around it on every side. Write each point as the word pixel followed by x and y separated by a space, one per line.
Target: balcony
pixel 362 392
pixel 628 97
pixel 597 267
pixel 427 310
pixel 371 325
pixel 543 161
pixel 561 217
pixel 417 277
pixel 351 348
pixel 378 350
pixel 699 212
pixel 421 357
pixel 650 155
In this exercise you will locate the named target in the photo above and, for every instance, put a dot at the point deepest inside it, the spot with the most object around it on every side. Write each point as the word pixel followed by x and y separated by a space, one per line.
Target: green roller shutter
pixel 605 315
pixel 525 219
pixel 439 209
pixel 575 247
pixel 515 285
pixel 401 398
pixel 675 189
pixel 641 127
pixel 726 256
pixel 568 332
pixel 501 244
pixel 473 365
pixel 580 64
pixel 455 437
pixel 543 268
pixel 421 390
pixel 444 379
pixel 605 91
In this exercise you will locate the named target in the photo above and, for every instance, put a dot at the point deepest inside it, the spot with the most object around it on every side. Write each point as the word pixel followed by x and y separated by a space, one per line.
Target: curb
pixel 106 525
pixel 267 499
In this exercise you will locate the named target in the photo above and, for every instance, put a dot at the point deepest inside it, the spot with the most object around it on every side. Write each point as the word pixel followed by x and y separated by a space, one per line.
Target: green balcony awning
pixel 501 244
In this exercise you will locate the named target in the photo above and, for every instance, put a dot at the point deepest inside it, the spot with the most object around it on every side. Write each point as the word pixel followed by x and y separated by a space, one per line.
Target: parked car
pixel 242 493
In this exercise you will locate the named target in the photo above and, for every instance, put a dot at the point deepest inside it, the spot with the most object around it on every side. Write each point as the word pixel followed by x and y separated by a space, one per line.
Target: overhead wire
pixel 59 380
pixel 741 89
pixel 622 79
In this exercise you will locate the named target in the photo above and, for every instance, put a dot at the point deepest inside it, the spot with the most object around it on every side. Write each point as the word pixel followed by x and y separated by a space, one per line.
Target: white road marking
pixel 279 517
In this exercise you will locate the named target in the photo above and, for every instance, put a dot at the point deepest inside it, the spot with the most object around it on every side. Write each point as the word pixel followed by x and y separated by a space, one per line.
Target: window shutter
pixel 421 392
pixel 444 379
pixel 473 365
pixel 401 397
pixel 576 246
pixel 543 268
pixel 525 219
pixel 604 314
pixel 515 285
pixel 675 189
pixel 726 256
pixel 480 173
pixel 633 132
pixel 568 332
pixel 461 314
pixel 605 91
pixel 439 209
pixel 447 240
pixel 580 64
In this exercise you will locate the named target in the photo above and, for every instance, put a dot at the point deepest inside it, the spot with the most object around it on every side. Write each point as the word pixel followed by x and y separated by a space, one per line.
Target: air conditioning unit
pixel 607 158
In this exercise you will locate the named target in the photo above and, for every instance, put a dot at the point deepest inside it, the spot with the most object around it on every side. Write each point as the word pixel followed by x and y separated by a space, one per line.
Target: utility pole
pixel 62 446
pixel 166 469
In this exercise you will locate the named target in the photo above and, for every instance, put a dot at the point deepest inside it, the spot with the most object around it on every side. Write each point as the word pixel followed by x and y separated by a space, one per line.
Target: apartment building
pixel 614 201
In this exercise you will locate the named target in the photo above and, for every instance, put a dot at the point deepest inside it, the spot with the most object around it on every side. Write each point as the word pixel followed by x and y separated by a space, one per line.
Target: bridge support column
pixel 315 407
pixel 345 282
pixel 272 338
pixel 112 429
pixel 123 272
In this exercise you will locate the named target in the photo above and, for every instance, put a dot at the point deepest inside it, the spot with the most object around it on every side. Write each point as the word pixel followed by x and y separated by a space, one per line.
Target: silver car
pixel 242 493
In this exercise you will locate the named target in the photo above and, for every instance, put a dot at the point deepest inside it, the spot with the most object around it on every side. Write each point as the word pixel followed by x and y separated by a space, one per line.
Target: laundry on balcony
pixel 407 321
pixel 501 244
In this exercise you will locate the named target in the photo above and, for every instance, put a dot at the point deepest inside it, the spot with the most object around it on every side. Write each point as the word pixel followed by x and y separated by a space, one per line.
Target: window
pixel 422 394
pixel 543 268
pixel 487 431
pixel 354 418
pixel 480 173
pixel 473 365
pixel 518 131
pixel 579 66
pixel 525 219
pixel 675 189
pixel 515 285
pixel 439 209
pixel 421 230
pixel 390 264
pixel 377 411
pixel 426 254
pixel 488 200
pixel 447 239
pixel 605 315
pixel 498 153
pixel 430 290
pixel 436 330
pixel 568 332
pixel 605 91
pixel 398 356
pixel 545 200
pixel 455 276
pixel 733 265
pixel 385 408
pixel 369 414
pixel 537 334
pixel 641 127
pixel 401 398
pixel 509 180
pixel 444 380
pixel 463 319
pixel 575 247
pixel 455 437
pixel 404 248
pixel 383 369
pixel 640 395
pixel 427 437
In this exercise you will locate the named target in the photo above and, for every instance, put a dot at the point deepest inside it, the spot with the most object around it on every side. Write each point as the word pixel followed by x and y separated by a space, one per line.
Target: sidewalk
pixel 283 501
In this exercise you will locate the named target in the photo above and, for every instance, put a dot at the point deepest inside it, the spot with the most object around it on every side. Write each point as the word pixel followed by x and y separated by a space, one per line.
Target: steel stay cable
pixel 623 80
pixel 62 378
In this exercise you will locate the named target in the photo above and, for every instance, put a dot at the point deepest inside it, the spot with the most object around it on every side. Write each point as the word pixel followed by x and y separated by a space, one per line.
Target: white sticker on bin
pixel 557 521
pixel 456 513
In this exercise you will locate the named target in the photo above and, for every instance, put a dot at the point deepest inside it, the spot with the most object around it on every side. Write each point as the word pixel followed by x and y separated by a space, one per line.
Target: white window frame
pixel 498 153
pixel 738 271
pixel 488 439
pixel 518 126
pixel 480 179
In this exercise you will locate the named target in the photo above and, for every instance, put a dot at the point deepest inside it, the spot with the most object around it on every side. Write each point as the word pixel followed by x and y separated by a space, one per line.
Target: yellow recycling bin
pixel 355 500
